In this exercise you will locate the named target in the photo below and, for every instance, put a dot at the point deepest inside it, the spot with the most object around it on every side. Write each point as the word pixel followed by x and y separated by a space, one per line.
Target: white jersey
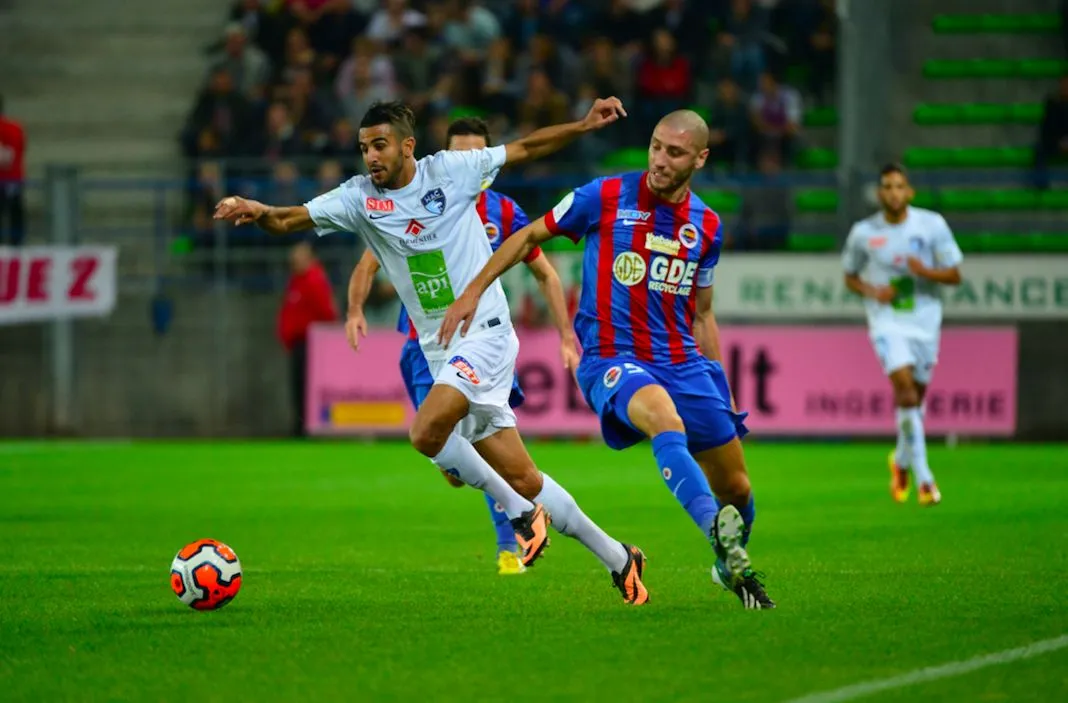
pixel 880 251
pixel 427 236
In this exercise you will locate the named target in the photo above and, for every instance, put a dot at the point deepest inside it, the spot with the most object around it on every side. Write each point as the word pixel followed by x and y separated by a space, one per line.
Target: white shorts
pixel 481 366
pixel 896 351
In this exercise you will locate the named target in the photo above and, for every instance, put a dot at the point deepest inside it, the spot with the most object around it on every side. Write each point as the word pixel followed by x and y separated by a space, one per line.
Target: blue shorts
pixel 418 381
pixel 698 388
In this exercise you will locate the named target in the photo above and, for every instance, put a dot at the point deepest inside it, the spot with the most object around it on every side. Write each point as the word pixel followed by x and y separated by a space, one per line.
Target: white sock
pixel 569 520
pixel 917 443
pixel 902 456
pixel 461 458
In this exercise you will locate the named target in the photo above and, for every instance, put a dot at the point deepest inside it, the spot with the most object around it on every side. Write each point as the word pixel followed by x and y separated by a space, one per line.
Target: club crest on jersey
pixel 916 244
pixel 629 268
pixel 664 245
pixel 434 201
pixel 464 369
pixel 492 231
pixel 612 376
pixel 688 235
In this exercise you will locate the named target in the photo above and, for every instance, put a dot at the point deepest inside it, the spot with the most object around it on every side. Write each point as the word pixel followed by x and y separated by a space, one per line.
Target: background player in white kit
pixel 905 254
pixel 419 219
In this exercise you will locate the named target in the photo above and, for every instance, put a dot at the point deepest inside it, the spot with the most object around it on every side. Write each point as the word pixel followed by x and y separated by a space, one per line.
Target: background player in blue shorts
pixel 501 217
pixel 651 359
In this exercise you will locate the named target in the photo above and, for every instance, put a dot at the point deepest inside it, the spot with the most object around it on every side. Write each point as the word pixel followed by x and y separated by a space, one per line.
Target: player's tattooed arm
pixel 511 252
pixel 276 220
pixel 542 142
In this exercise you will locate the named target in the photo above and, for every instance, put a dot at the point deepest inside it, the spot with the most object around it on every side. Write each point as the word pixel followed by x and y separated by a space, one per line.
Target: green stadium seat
pixel 824 200
pixel 995 68
pixel 1010 199
pixel 461 111
pixel 627 159
pixel 1027 113
pixel 969 157
pixel 1049 241
pixel 1042 68
pixel 1013 241
pixel 1053 200
pixel 936 114
pixel 811 242
pixel 997 24
pixel 821 117
pixel 926 199
pixel 977 113
pixel 722 201
pixel 815 158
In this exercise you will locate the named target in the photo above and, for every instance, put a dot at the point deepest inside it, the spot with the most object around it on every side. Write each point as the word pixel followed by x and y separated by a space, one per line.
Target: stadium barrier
pixel 794 381
pixel 47 283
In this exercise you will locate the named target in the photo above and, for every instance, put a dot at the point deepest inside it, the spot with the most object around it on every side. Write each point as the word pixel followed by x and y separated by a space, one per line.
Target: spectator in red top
pixel 12 175
pixel 665 81
pixel 309 299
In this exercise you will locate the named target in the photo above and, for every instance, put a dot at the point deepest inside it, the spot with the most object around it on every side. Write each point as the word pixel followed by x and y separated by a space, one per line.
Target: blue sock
pixel 748 514
pixel 505 534
pixel 684 478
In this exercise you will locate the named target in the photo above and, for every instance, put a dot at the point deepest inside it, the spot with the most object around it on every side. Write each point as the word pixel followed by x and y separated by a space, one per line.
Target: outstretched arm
pixel 276 220
pixel 512 251
pixel 542 142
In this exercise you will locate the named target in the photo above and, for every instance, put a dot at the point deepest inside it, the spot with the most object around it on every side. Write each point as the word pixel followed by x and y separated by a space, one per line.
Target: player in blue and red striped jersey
pixel 501 217
pixel 651 359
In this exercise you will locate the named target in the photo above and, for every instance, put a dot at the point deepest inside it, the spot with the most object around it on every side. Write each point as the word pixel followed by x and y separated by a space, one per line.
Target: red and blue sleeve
pixel 578 214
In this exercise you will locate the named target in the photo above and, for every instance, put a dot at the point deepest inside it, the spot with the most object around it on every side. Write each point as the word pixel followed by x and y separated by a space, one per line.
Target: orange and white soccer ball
pixel 206 574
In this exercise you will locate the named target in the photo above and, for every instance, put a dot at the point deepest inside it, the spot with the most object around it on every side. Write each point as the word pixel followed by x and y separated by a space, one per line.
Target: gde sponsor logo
pixel 673 276
pixel 666 274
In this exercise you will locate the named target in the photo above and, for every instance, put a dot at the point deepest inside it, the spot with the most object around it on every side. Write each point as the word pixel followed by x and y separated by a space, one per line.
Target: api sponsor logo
pixel 464 369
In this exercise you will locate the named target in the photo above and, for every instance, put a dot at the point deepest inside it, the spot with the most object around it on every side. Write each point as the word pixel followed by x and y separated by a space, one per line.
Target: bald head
pixel 686 123
pixel 678 147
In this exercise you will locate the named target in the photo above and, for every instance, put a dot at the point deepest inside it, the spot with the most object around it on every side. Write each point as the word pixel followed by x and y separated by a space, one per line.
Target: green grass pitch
pixel 368 578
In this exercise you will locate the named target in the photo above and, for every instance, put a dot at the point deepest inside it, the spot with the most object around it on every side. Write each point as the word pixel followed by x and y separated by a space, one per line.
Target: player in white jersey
pixel 419 219
pixel 905 254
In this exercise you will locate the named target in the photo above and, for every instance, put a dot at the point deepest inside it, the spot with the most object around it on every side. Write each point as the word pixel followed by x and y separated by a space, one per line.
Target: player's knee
pixel 906 396
pixel 428 438
pixel 655 414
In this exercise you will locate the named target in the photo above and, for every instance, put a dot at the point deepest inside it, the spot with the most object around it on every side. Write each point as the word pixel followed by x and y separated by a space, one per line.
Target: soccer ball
pixel 206 574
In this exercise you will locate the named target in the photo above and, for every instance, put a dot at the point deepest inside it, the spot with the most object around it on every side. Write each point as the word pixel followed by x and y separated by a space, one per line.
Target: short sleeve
pixel 946 250
pixel 707 265
pixel 336 211
pixel 474 170
pixel 854 255
pixel 578 213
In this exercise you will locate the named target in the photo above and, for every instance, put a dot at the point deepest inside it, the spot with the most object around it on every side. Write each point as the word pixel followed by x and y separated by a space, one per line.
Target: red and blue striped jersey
pixel 502 217
pixel 643 259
